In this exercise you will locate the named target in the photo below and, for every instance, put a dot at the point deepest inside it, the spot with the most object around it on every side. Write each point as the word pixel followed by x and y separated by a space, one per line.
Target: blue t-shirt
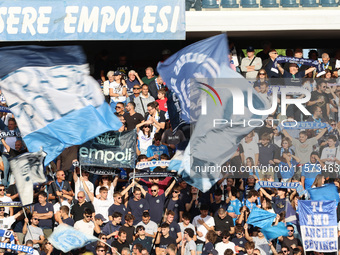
pixel 157 205
pixel 310 171
pixel 286 171
pixel 118 208
pixel 234 207
pixel 159 150
pixel 250 205
pixel 48 223
pixel 137 208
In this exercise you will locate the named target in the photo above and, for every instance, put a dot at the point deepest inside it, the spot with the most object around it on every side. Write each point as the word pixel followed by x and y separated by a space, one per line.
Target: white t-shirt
pixel 109 194
pixel 330 153
pixel 118 89
pixel 6 223
pixel 190 246
pixel 84 227
pixel 102 207
pixel 78 186
pixel 221 247
pixel 208 220
pixel 150 228
pixel 144 141
pixel 6 199
pixel 250 149
pixel 56 206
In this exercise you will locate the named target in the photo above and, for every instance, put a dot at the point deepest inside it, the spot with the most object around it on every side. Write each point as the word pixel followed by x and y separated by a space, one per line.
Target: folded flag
pixel 55 101
pixel 28 169
pixel 261 218
pixel 66 238
pixel 275 231
pixel 327 192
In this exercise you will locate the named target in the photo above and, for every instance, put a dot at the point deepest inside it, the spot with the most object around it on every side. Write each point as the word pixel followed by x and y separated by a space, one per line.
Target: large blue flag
pixel 275 231
pixel 210 145
pixel 261 218
pixel 55 101
pixel 199 60
pixel 327 192
pixel 318 225
pixel 66 238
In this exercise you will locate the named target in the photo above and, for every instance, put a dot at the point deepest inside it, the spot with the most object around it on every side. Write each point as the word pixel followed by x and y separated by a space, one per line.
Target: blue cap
pixel 250 49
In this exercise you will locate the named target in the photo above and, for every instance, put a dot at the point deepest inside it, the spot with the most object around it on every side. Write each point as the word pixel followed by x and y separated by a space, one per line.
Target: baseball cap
pixel 99 217
pixel 116 73
pixel 250 49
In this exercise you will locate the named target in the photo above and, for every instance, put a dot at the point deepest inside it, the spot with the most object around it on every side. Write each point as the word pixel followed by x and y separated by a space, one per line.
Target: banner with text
pixel 111 149
pixel 92 20
pixel 318 221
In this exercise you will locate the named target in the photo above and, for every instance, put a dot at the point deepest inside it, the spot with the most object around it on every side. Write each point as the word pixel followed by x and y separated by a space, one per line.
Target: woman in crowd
pixel 260 78
pixel 145 137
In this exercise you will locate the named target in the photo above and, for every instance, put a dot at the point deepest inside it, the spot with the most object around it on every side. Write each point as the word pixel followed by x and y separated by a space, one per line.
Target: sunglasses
pixel 291 230
pixel 48 243
pixel 80 197
pixel 153 190
pixel 117 107
pixel 119 197
pixel 333 124
pixel 88 216
pixel 176 191
pixel 101 250
pixel 104 238
pixel 135 88
pixel 146 126
pixel 239 233
pixel 262 74
pixel 35 219
pixel 2 209
pixel 2 189
pixel 284 251
pixel 225 237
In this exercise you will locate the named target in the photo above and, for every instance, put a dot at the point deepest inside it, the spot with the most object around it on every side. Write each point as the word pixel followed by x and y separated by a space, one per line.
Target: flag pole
pixel 133 179
pixel 110 246
pixel 28 224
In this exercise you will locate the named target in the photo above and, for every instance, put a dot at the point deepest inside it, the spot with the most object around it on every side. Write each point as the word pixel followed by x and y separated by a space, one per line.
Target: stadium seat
pixel 269 3
pixel 249 4
pixel 289 3
pixel 229 4
pixel 309 3
pixel 210 4
pixel 329 3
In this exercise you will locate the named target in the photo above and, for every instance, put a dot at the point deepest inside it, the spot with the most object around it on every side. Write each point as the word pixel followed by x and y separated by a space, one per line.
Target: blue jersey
pixel 250 205
pixel 310 171
pixel 159 150
pixel 234 207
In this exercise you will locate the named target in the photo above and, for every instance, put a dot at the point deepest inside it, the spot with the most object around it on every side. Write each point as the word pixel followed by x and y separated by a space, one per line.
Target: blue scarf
pixel 17 247
pixel 282 185
pixel 304 125
pixel 301 61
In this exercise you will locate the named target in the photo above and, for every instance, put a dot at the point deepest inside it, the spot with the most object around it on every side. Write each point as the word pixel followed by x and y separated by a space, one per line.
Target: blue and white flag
pixel 318 225
pixel 261 218
pixel 211 145
pixel 327 192
pixel 275 231
pixel 66 238
pixel 28 169
pixel 199 60
pixel 55 101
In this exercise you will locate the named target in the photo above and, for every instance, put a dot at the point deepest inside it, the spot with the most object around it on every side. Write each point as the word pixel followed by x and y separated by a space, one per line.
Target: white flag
pixel 28 169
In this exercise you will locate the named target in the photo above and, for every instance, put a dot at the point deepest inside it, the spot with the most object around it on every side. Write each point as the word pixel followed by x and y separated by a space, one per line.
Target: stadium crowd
pixel 132 215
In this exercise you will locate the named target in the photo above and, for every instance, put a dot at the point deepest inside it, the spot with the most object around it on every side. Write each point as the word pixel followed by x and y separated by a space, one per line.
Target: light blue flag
pixel 55 101
pixel 261 218
pixel 66 238
pixel 210 146
pixel 275 231
pixel 326 192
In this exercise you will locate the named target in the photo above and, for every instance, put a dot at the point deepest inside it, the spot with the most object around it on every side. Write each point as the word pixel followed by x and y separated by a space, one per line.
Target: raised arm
pixel 246 234
pixel 127 188
pixel 5 145
pixel 264 192
pixel 321 133
pixel 90 194
pixel 167 191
